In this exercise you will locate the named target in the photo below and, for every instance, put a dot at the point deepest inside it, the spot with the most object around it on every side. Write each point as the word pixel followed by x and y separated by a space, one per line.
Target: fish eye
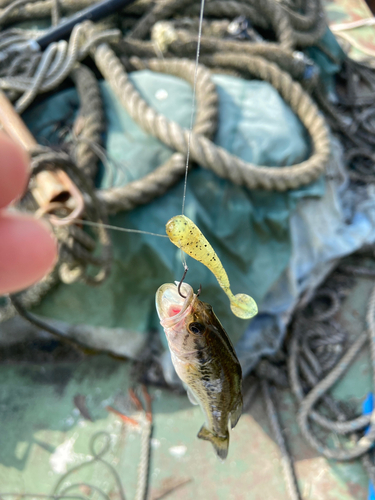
pixel 196 328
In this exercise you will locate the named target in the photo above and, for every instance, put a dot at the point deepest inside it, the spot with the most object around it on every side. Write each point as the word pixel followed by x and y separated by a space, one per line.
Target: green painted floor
pixel 44 436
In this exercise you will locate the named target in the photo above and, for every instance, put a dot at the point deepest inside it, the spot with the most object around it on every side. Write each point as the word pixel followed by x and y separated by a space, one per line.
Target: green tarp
pixel 249 230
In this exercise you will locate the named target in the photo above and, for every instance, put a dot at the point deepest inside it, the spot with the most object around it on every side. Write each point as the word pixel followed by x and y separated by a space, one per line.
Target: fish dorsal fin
pixel 236 413
pixel 192 398
pixel 221 444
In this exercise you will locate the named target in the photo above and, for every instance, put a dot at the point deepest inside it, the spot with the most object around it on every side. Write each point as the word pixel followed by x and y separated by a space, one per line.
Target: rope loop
pixel 203 151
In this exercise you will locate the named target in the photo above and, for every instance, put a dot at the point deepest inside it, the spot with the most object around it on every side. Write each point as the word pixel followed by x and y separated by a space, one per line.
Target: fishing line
pixel 183 258
pixel 116 228
pixel 137 231
pixel 193 103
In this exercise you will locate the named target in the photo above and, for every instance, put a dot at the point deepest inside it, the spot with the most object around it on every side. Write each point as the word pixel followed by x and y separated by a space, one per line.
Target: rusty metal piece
pixel 148 401
pixel 135 400
pixel 48 188
pixel 147 410
pixel 124 418
pixel 56 190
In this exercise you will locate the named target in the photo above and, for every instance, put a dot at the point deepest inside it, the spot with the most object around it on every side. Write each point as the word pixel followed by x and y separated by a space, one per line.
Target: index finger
pixel 14 170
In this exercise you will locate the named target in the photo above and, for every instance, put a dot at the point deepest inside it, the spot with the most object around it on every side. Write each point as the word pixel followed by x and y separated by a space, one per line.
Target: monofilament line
pixel 115 228
pixel 193 103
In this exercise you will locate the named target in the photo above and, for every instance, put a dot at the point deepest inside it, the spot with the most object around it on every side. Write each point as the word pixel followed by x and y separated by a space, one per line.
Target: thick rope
pixel 203 151
pixel 29 10
pixel 266 14
pixel 39 9
pixel 344 427
pixel 229 9
pixel 369 466
pixel 56 63
pixel 161 10
pixel 307 404
pixel 182 43
pixel 290 27
pixel 270 372
pixel 7 12
pixel 307 20
pixel 89 125
pixel 162 178
pixel 320 341
pixel 286 461
pixel 143 466
pixel 309 27
pixel 265 9
pixel 55 13
pixel 279 22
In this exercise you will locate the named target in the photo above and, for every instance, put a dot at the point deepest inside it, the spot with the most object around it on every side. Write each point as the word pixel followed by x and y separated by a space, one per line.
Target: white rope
pixel 57 62
pixel 143 465
pixel 352 25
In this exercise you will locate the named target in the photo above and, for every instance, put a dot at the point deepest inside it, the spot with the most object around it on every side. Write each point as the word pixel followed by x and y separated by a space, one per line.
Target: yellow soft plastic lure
pixel 186 235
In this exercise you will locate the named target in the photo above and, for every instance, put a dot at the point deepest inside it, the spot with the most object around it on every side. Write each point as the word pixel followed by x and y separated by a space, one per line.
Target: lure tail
pixel 220 444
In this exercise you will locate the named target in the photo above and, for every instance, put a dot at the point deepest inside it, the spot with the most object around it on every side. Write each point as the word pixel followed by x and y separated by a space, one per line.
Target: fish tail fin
pixel 236 413
pixel 220 443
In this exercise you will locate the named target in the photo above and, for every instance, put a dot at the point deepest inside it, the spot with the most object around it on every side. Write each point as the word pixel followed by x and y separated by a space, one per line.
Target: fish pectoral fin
pixel 236 413
pixel 192 398
pixel 220 443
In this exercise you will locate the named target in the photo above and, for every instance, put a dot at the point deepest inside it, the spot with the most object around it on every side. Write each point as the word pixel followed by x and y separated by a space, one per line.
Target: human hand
pixel 28 250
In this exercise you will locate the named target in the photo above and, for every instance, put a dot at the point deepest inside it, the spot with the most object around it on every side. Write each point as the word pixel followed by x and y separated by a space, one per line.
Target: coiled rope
pixel 286 461
pixel 307 403
pixel 180 42
pixel 316 361
pixel 90 123
pixel 203 151
pixel 56 64
pixel 162 178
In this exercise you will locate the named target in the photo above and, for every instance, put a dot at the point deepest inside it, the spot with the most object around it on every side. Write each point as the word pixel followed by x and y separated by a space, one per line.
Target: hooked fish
pixel 204 359
pixel 183 233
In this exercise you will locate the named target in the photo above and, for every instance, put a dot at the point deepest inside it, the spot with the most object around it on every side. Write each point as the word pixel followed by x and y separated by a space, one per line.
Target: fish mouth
pixel 170 306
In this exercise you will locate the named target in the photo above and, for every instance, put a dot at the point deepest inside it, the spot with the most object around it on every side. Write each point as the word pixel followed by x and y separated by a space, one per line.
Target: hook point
pixel 179 285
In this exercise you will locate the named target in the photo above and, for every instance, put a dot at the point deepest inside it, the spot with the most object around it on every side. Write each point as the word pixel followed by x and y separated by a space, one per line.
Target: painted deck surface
pixel 44 435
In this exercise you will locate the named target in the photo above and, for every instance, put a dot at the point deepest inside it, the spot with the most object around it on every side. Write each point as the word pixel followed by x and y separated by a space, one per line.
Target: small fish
pixel 183 233
pixel 204 359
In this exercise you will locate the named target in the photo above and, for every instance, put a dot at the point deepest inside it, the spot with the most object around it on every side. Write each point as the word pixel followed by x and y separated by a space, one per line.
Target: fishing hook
pixel 179 285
